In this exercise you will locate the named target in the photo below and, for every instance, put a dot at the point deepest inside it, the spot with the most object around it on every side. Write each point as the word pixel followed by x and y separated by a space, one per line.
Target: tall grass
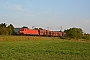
pixel 22 38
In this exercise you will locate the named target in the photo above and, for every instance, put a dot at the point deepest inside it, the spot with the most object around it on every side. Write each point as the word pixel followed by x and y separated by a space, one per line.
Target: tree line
pixel 72 33
pixel 76 33
pixel 6 29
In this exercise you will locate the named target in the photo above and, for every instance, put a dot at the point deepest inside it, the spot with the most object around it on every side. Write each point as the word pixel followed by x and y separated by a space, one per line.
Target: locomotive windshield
pixel 22 30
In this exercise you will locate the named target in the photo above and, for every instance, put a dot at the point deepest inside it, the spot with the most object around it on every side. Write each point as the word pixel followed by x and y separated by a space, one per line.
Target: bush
pixel 86 36
pixel 75 33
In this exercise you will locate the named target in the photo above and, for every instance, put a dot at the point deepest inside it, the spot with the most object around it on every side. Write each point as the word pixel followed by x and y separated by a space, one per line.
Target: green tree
pixel 86 36
pixel 24 27
pixel 10 29
pixel 6 30
pixel 3 31
pixel 75 33
pixel 41 29
pixel 35 28
pixel 3 25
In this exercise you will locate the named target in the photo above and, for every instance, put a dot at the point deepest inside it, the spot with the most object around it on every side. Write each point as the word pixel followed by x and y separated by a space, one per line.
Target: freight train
pixel 38 32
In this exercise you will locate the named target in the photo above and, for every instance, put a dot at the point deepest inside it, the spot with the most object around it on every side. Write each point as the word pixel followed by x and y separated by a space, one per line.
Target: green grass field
pixel 42 48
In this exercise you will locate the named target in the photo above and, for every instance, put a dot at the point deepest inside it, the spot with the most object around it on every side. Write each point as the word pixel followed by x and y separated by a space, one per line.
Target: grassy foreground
pixel 43 49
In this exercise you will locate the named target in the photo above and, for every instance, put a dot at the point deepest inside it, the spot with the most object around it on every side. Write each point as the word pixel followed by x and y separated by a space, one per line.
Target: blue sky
pixel 46 13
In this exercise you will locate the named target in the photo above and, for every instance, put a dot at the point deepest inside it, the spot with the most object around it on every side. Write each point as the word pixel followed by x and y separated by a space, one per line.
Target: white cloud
pixel 4 15
pixel 29 15
pixel 49 9
pixel 18 7
pixel 87 21
pixel 7 2
pixel 43 12
pixel 14 7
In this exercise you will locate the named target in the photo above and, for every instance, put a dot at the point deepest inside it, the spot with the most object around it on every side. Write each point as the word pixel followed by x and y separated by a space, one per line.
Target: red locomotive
pixel 27 31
